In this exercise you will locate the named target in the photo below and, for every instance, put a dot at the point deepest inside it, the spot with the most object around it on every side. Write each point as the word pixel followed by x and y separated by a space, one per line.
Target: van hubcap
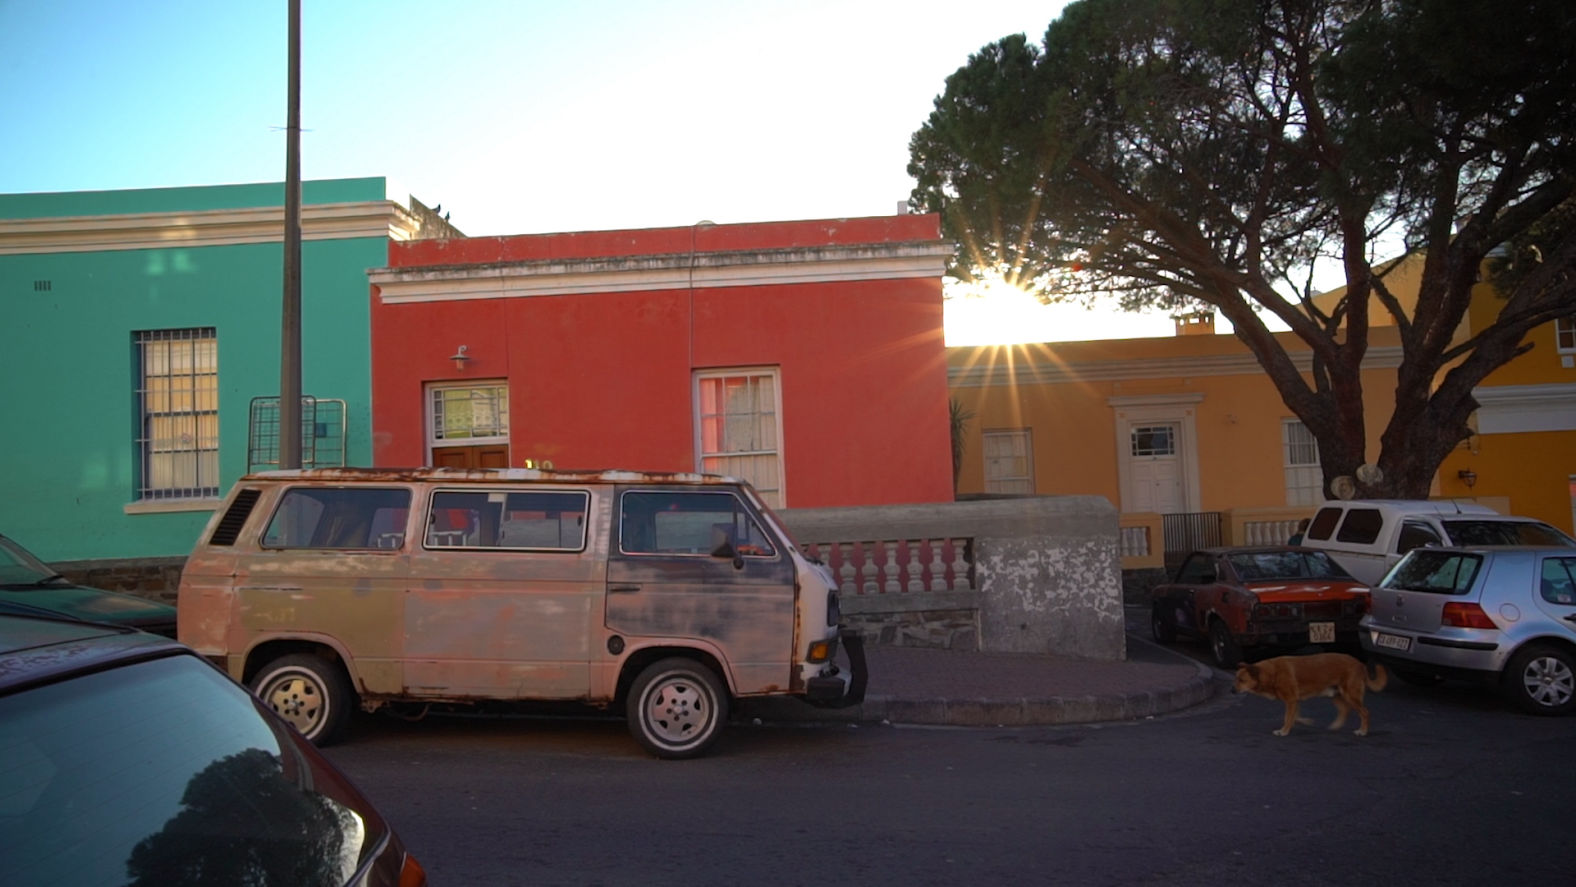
pixel 677 710
pixel 297 701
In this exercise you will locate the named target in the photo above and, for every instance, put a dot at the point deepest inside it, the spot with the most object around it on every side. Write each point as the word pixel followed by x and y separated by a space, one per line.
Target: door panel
pixel 665 584
pixel 487 618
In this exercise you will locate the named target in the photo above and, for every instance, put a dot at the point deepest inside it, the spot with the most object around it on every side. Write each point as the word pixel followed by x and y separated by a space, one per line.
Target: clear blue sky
pixel 518 117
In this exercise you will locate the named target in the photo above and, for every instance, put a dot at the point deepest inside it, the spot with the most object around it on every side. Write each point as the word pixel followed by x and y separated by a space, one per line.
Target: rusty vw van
pixel 666 596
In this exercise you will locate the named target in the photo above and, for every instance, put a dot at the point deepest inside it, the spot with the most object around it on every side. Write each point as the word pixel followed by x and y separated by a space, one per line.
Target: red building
pixel 807 357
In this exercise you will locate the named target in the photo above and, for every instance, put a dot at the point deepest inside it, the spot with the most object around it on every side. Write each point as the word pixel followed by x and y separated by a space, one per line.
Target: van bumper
pixel 839 690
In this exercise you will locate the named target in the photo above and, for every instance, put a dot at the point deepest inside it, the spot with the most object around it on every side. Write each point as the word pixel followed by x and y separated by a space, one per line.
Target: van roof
pixel 490 475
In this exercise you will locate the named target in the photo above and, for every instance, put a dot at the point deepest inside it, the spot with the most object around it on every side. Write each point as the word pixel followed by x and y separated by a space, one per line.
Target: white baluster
pixel 938 570
pixel 868 571
pixel 845 569
pixel 915 583
pixel 892 585
pixel 960 567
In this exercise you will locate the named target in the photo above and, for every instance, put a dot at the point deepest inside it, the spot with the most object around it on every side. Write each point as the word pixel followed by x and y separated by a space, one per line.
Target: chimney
pixel 1198 323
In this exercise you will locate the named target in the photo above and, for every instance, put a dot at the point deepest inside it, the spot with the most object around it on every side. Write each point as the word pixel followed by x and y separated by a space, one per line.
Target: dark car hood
pixel 90 604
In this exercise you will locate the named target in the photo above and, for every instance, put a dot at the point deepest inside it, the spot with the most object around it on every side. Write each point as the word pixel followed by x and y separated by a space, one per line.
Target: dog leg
pixel 1340 712
pixel 1362 712
pixel 1291 718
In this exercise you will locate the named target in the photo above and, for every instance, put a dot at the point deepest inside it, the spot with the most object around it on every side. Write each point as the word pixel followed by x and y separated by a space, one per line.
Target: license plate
pixel 1392 642
pixel 1321 632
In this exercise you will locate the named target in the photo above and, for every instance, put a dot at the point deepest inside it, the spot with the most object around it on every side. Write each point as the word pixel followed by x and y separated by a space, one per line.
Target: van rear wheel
pixel 677 708
pixel 309 692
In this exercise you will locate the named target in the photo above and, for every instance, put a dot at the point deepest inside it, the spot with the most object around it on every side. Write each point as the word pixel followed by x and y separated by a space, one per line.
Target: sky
pixel 517 117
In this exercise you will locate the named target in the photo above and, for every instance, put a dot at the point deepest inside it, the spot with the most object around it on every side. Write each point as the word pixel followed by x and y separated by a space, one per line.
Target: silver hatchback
pixel 1506 615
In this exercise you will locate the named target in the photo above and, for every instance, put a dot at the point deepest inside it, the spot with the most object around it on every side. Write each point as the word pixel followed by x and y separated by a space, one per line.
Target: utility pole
pixel 290 330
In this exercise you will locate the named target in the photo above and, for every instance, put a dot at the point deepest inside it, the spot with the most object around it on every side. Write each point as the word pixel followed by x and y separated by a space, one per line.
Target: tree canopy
pixel 1184 153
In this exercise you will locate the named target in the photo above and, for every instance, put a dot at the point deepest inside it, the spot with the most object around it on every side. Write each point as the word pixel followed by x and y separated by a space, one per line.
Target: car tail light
pixel 1465 616
pixel 411 873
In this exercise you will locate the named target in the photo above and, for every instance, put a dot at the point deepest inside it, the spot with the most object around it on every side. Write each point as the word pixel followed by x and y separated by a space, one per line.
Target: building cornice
pixel 555 277
pixel 1514 409
pixel 319 221
pixel 1021 372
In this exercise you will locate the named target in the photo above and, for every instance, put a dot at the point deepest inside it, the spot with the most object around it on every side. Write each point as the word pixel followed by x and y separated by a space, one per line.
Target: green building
pixel 140 352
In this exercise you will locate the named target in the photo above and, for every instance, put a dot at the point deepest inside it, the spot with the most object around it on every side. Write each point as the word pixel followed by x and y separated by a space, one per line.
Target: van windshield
pixel 1504 532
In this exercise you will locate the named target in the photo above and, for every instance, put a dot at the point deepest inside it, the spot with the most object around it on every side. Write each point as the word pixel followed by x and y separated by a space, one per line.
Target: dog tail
pixel 1380 678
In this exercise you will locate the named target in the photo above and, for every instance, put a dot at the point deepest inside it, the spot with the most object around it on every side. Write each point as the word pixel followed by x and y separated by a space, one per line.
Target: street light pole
pixel 290 330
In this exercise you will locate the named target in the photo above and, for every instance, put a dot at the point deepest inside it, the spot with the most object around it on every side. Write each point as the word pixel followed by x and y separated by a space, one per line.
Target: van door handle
pixel 622 589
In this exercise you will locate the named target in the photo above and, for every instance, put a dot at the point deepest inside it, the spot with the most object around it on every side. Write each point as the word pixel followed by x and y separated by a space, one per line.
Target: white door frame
pixel 1154 410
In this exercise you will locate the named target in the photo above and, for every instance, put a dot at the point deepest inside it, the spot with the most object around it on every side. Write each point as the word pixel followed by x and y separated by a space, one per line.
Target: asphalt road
pixel 1451 787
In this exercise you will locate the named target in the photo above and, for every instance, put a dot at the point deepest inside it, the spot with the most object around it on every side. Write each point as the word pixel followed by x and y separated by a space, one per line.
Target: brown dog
pixel 1292 679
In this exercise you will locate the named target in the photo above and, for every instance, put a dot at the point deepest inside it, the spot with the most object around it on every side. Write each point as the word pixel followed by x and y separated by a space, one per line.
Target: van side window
pixel 1361 526
pixel 689 523
pixel 1323 523
pixel 1415 534
pixel 534 521
pixel 339 517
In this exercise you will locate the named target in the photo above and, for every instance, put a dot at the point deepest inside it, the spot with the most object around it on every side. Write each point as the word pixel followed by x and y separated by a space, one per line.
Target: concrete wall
pixel 1046 574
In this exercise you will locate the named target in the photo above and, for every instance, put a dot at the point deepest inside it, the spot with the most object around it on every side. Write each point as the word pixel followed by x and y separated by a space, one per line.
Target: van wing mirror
pixel 722 547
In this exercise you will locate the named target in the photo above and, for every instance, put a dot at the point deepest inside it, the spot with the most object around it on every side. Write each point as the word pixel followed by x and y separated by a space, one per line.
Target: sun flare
pixel 994 312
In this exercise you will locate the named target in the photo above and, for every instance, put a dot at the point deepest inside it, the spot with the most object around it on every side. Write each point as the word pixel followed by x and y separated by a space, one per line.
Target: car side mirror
pixel 726 550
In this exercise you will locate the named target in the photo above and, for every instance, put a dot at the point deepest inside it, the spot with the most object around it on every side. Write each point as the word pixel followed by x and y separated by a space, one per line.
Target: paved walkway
pixel 925 686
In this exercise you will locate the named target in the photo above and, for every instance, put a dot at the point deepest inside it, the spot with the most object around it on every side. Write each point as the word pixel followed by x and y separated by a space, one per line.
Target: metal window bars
pixel 178 413
pixel 323 429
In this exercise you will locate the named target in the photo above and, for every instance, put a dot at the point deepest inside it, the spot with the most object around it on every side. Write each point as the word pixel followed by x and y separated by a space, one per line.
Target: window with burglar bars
pixel 738 431
pixel 1565 335
pixel 178 403
pixel 1009 462
pixel 1304 479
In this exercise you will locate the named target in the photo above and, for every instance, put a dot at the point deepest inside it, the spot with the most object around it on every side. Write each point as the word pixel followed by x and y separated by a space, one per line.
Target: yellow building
pixel 1192 424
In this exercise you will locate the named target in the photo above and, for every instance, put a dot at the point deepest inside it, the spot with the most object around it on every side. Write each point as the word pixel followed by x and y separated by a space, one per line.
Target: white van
pixel 666 596
pixel 1368 536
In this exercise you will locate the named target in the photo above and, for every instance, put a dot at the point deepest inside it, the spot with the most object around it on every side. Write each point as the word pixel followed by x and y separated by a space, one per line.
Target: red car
pixel 1274 598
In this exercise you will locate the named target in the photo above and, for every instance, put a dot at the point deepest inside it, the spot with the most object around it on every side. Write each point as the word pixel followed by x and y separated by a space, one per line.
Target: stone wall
pixel 1045 574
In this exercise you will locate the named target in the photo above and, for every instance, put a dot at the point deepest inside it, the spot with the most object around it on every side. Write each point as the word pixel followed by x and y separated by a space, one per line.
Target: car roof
pixel 37 649
pixel 1417 506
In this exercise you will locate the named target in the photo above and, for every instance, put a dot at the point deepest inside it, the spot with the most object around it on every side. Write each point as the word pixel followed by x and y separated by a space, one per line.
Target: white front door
pixel 1156 468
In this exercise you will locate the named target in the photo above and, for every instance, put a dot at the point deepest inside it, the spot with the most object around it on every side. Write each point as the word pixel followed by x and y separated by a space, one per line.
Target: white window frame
pixel 1021 441
pixel 778 497
pixel 436 441
pixel 186 406
pixel 1304 478
pixel 1565 335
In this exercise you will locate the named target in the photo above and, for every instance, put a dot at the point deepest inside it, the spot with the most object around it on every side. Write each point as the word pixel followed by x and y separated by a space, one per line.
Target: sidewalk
pixel 911 685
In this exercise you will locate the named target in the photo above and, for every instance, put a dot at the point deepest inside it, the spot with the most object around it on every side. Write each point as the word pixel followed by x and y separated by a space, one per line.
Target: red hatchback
pixel 1274 598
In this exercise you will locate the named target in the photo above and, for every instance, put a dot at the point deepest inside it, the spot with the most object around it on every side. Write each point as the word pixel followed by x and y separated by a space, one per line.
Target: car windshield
pixel 1432 570
pixel 18 567
pixel 1504 532
pixel 1261 566
pixel 165 772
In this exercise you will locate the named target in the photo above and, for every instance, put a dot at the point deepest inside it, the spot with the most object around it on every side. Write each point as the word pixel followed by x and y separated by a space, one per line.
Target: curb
pixel 1007 712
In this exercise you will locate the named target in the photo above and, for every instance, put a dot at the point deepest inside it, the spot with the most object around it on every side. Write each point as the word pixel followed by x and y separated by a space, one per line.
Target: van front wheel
pixel 309 692
pixel 677 708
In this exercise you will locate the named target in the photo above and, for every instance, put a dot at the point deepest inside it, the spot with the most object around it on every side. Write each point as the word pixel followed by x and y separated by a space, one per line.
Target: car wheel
pixel 677 708
pixel 1222 645
pixel 1541 679
pixel 1160 626
pixel 309 692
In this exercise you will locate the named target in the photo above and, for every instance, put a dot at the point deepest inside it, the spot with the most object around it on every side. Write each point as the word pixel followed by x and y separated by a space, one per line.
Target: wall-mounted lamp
pixel 1467 476
pixel 460 358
